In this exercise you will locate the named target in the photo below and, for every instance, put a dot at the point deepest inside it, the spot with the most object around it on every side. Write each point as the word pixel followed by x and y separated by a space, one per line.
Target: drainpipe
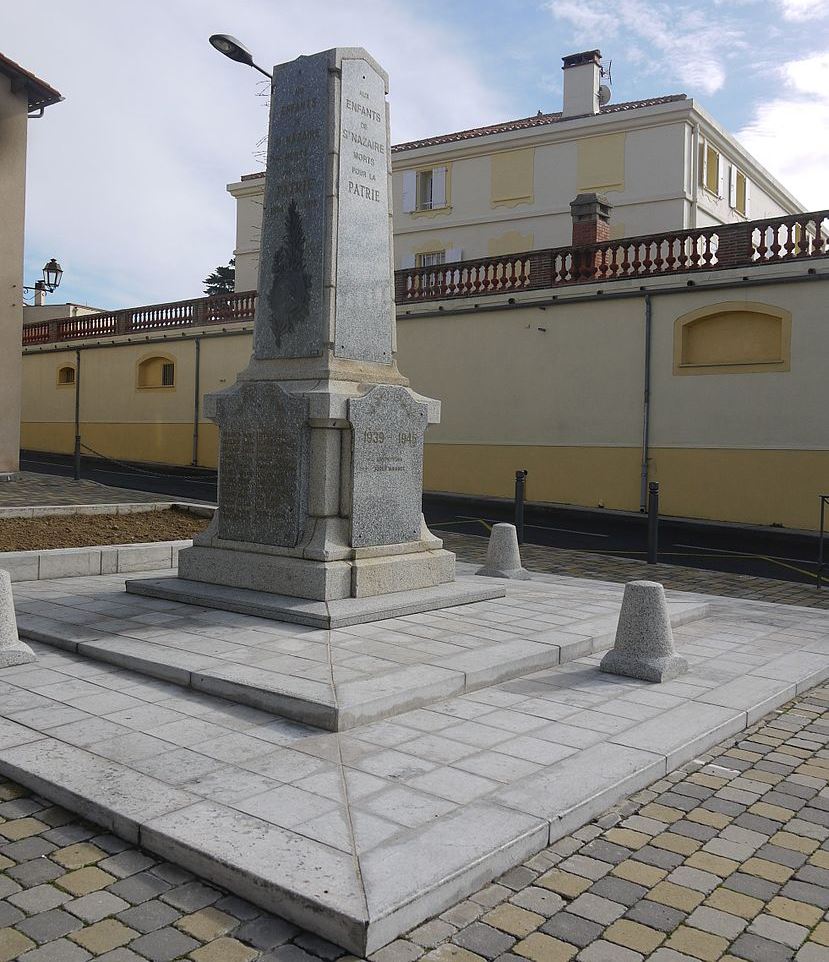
pixel 695 175
pixel 196 399
pixel 646 408
pixel 77 415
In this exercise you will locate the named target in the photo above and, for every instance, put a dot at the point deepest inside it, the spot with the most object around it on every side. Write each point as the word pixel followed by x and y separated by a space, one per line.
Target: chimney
pixel 582 75
pixel 40 294
pixel 591 219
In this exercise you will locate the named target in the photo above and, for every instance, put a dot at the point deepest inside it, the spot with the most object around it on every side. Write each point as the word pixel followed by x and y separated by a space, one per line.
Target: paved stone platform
pixel 724 859
pixel 337 613
pixel 604 567
pixel 364 834
pixel 340 678
pixel 29 488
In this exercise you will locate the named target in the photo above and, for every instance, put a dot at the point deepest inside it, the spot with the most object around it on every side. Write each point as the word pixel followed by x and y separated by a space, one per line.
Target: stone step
pixel 322 871
pixel 329 702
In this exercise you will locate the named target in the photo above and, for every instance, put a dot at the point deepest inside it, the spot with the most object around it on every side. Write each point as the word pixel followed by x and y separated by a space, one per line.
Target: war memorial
pixel 322 711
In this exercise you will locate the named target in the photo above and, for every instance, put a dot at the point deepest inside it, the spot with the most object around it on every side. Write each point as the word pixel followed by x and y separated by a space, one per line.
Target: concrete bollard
pixel 12 650
pixel 644 645
pixel 503 557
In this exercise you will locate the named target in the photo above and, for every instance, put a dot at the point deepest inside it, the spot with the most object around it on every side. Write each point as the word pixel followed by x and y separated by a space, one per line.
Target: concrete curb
pixel 106 559
pixel 93 560
pixel 133 507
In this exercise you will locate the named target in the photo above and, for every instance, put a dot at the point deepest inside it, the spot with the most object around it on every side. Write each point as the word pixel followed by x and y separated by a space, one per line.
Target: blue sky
pixel 126 178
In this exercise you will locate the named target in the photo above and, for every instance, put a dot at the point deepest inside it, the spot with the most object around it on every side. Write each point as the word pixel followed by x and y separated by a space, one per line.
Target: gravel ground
pixel 79 530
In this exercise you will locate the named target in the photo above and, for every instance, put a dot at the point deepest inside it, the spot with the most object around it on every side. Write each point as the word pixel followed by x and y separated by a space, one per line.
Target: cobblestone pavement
pixel 28 488
pixel 726 859
pixel 586 564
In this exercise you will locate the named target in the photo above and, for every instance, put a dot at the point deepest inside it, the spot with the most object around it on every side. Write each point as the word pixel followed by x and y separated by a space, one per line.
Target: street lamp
pixel 52 273
pixel 231 48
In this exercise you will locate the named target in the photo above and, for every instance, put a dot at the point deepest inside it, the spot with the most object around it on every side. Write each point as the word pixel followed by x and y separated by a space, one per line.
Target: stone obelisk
pixel 321 438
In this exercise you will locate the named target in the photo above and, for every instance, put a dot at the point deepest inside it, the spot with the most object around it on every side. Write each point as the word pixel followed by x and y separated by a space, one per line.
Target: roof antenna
pixel 604 90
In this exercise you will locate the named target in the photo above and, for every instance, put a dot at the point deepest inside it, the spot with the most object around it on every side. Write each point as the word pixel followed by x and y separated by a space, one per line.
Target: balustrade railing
pixel 197 312
pixel 671 252
pixel 749 244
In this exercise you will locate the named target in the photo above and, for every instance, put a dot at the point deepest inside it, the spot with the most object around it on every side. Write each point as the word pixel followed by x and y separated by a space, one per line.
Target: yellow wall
pixel 119 418
pixel 13 110
pixel 553 388
pixel 512 177
pixel 601 163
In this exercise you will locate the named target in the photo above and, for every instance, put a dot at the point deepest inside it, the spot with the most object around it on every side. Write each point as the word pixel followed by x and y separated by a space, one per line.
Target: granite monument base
pixel 317 580
pixel 336 613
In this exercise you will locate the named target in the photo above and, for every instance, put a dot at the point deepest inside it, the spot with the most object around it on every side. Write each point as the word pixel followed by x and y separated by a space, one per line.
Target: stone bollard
pixel 12 650
pixel 503 558
pixel 644 646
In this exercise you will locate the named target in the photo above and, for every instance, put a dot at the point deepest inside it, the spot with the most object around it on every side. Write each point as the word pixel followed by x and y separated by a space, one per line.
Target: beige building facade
pixel 552 381
pixel 21 93
pixel 664 163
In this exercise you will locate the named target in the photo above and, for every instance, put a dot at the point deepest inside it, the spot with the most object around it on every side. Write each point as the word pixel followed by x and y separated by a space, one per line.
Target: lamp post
pixel 52 274
pixel 231 48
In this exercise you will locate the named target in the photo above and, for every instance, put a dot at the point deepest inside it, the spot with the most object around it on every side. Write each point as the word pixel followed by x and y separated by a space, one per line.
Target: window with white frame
pixel 711 169
pixel 430 259
pixel 739 191
pixel 424 189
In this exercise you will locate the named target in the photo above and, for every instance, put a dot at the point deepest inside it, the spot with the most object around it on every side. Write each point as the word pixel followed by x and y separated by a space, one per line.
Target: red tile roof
pixel 539 120
pixel 40 93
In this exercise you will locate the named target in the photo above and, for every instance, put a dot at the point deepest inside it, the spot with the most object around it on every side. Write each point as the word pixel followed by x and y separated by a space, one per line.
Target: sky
pixel 126 180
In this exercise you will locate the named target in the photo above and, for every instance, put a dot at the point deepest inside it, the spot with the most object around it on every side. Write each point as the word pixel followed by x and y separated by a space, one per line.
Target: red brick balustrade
pixel 749 244
pixel 198 312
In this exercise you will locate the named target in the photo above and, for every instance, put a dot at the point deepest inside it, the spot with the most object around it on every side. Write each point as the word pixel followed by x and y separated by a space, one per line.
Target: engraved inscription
pixel 364 304
pixel 263 460
pixel 388 425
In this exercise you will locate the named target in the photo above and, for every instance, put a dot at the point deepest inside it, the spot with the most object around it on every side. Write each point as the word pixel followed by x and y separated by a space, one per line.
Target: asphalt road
pixel 767 553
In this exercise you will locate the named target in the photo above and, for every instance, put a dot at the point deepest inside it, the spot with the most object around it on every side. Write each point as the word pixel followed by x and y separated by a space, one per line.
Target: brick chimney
pixel 591 219
pixel 582 76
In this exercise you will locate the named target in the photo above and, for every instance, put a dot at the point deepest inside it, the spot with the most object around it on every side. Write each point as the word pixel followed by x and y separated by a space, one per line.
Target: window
pixel 156 372
pixel 424 189
pixel 430 259
pixel 710 168
pixel 739 191
pixel 66 375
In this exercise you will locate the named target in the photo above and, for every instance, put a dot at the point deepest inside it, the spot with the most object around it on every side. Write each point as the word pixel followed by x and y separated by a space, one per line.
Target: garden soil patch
pixel 82 530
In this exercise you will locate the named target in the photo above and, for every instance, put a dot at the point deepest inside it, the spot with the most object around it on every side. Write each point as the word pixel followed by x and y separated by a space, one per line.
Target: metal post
pixel 77 415
pixel 653 522
pixel 646 407
pixel 196 401
pixel 520 484
pixel 820 562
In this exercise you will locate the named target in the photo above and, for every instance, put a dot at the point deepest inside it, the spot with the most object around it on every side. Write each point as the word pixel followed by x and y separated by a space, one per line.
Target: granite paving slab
pixel 371 830
pixel 712 897
pixel 335 679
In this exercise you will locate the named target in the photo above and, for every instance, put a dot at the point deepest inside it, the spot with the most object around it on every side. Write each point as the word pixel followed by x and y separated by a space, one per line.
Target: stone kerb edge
pixel 92 560
pixel 132 507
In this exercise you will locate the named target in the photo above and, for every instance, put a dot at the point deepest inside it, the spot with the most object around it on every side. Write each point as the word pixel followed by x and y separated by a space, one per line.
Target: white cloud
pixel 126 179
pixel 788 134
pixel 799 10
pixel 679 41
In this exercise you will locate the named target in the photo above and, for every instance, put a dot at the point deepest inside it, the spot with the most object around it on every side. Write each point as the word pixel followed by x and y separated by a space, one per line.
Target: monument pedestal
pixel 320 438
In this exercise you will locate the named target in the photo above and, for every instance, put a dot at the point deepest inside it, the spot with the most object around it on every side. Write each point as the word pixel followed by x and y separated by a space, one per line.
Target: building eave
pixel 38 93
pixel 754 170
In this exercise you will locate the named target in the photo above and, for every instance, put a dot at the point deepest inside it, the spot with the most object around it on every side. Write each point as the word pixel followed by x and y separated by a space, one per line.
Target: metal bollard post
pixel 520 484
pixel 77 471
pixel 653 522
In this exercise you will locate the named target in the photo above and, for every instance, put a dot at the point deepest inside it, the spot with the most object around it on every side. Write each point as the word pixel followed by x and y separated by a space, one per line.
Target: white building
pixel 664 163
